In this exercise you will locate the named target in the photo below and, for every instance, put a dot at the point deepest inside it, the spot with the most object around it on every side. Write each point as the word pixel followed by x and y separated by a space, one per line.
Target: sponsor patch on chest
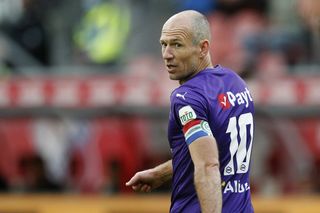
pixel 230 99
pixel 186 114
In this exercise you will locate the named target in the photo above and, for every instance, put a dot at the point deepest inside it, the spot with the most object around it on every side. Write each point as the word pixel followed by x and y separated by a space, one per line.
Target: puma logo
pixel 181 96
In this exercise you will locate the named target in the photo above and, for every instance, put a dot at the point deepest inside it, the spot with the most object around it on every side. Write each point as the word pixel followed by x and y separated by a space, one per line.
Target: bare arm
pixel 164 171
pixel 207 178
pixel 147 180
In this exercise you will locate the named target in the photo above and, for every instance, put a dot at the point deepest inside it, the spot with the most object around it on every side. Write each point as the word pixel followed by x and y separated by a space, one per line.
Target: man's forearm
pixel 208 186
pixel 164 171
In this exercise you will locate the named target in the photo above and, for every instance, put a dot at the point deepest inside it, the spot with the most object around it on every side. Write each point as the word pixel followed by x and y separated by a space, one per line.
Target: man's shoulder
pixel 209 83
pixel 183 91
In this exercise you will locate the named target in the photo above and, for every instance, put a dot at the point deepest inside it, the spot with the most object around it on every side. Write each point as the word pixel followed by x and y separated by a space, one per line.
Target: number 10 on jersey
pixel 241 152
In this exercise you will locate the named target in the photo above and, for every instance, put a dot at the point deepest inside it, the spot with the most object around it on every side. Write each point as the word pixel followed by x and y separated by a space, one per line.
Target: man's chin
pixel 173 77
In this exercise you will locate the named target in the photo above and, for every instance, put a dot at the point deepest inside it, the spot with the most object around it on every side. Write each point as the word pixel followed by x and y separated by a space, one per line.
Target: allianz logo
pixel 234 187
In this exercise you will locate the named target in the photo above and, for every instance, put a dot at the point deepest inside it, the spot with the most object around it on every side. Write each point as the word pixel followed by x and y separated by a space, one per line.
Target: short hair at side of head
pixel 200 28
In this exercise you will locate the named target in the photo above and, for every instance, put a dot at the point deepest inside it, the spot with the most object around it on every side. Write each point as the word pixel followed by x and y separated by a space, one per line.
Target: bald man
pixel 210 126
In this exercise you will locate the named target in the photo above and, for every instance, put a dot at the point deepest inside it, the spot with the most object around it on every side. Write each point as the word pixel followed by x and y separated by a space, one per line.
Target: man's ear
pixel 204 48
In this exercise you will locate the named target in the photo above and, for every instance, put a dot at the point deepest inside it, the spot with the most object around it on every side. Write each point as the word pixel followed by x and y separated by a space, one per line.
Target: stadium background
pixel 84 100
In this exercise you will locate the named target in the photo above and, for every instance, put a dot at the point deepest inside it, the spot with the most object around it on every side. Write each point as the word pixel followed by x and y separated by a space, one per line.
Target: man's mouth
pixel 170 67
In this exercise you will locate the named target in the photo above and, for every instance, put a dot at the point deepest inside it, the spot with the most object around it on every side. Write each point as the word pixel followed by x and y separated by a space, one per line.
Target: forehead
pixel 177 33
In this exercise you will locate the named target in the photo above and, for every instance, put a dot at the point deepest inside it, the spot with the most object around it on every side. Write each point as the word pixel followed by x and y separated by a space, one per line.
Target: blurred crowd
pixel 58 154
pixel 264 39
pixel 255 38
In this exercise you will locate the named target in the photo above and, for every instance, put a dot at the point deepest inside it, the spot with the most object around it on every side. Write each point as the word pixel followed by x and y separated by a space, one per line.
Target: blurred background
pixel 84 95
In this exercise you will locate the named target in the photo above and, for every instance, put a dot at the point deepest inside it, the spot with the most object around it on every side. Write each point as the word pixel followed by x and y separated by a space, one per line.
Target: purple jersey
pixel 220 98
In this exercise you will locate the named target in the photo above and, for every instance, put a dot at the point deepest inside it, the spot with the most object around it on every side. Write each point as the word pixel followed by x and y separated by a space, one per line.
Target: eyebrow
pixel 176 39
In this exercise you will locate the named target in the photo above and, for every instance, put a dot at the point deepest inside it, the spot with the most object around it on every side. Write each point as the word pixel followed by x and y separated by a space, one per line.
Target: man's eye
pixel 163 44
pixel 177 45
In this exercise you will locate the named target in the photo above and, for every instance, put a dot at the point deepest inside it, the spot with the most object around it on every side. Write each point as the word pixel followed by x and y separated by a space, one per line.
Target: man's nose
pixel 167 53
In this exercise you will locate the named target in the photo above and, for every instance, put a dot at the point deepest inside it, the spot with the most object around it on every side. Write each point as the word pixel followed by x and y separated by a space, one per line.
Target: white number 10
pixel 239 149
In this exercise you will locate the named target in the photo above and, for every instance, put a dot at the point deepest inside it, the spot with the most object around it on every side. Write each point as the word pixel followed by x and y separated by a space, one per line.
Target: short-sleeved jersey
pixel 221 98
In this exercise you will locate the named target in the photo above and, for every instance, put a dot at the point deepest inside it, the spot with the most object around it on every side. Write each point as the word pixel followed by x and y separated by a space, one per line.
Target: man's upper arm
pixel 191 109
pixel 204 151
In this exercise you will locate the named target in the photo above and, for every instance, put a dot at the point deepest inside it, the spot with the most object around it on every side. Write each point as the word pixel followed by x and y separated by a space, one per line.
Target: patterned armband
pixel 196 129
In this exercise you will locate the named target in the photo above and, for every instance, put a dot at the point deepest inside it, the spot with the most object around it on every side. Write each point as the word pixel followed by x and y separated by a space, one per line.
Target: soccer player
pixel 210 126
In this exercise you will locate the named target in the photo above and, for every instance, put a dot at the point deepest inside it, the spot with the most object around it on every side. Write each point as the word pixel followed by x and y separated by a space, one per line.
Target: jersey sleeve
pixel 191 113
